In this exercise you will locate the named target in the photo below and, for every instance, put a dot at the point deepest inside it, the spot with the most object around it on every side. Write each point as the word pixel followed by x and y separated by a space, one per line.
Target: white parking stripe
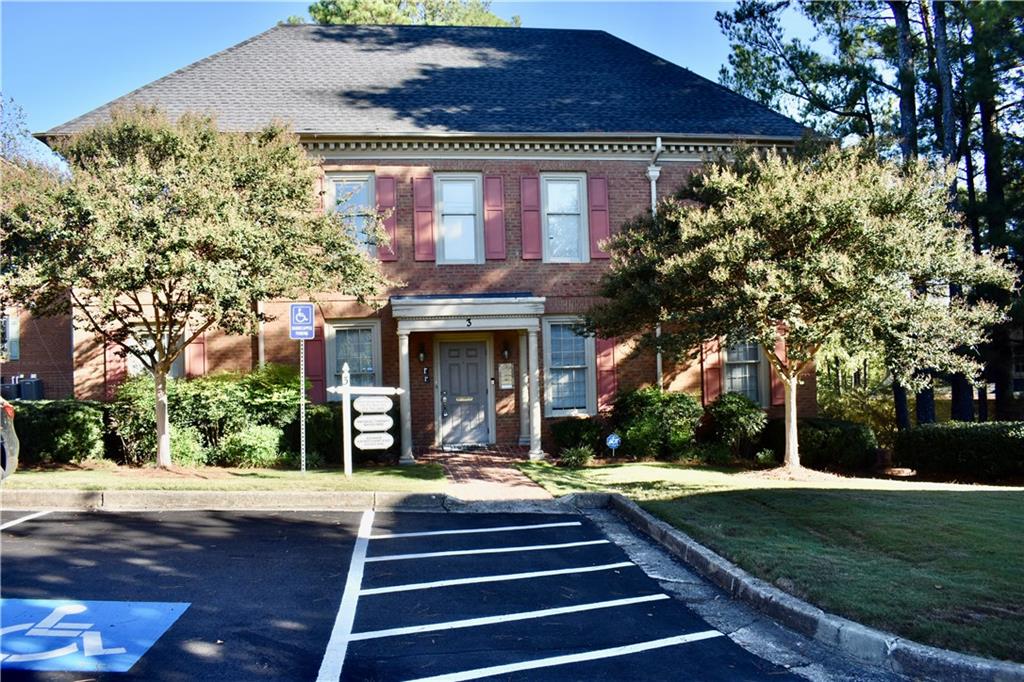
pixel 522 615
pixel 571 658
pixel 28 517
pixel 464 531
pixel 494 578
pixel 337 646
pixel 488 550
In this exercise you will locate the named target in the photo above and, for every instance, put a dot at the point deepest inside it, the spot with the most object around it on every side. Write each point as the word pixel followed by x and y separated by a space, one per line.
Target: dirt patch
pixel 801 475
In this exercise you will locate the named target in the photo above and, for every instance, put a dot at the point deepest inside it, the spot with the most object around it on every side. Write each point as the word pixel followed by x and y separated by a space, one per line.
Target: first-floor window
pixel 143 341
pixel 358 344
pixel 571 370
pixel 10 335
pixel 743 370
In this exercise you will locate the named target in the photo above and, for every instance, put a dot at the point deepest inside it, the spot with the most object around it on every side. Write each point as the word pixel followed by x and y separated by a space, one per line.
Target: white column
pixel 524 392
pixel 535 450
pixel 405 399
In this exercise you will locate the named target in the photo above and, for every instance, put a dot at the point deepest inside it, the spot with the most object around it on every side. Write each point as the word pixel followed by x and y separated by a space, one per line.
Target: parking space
pixel 328 596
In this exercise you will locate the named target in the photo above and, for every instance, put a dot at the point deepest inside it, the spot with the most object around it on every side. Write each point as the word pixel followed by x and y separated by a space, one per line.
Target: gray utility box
pixel 10 391
pixel 31 389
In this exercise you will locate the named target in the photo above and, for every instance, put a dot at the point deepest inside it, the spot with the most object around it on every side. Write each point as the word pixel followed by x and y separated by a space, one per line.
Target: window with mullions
pixel 743 370
pixel 358 344
pixel 354 198
pixel 564 201
pixel 459 220
pixel 571 370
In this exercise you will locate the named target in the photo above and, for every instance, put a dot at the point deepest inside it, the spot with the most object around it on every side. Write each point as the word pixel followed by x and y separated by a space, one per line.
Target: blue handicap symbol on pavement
pixel 101 636
pixel 301 320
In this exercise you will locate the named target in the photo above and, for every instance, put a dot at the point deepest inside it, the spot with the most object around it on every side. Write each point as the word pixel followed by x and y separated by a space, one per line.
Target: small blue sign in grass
pixel 98 636
pixel 613 441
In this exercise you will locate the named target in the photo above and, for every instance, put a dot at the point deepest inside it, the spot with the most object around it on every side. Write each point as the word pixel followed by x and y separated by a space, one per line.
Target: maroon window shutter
pixel 316 367
pixel 777 387
pixel 423 218
pixel 387 201
pixel 494 218
pixel 530 204
pixel 195 357
pixel 115 368
pixel 607 381
pixel 711 370
pixel 600 227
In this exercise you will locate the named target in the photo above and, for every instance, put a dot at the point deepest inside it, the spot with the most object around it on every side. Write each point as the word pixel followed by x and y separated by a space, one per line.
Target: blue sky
pixel 60 60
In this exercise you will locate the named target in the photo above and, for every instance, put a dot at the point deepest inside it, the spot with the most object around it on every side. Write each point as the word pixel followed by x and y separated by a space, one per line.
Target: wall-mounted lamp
pixel 422 355
pixel 506 352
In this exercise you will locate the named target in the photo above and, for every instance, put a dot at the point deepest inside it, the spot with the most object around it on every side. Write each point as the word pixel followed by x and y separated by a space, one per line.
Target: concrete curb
pixel 874 647
pixel 219 500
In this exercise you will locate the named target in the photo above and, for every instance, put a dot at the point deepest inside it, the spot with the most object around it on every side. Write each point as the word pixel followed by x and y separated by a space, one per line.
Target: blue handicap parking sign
pixel 301 321
pixel 100 636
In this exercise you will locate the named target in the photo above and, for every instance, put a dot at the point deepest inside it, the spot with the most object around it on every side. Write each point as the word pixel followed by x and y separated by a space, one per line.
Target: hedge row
pixel 986 451
pixel 59 431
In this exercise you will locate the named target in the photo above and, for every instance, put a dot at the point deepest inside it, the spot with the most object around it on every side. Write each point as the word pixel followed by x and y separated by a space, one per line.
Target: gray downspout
pixel 653 173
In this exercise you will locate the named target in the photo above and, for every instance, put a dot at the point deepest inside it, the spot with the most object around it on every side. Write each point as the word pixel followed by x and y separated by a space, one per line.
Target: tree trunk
pixel 924 406
pixel 899 399
pixel 907 80
pixel 792 456
pixel 163 425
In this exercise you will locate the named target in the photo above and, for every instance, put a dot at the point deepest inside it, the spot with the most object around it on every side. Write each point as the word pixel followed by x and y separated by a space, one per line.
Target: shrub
pixel 59 431
pixel 735 421
pixel 829 444
pixel 187 447
pixel 270 394
pixel 656 423
pixel 986 451
pixel 873 409
pixel 133 419
pixel 323 436
pixel 213 405
pixel 766 458
pixel 576 457
pixel 254 446
pixel 575 431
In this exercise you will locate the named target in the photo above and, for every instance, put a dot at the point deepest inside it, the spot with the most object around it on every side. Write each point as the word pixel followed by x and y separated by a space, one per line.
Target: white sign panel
pixel 374 441
pixel 374 422
pixel 372 404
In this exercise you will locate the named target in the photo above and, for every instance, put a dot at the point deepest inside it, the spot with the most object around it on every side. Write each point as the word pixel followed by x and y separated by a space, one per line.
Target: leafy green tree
pixel 165 230
pixel 428 12
pixel 841 246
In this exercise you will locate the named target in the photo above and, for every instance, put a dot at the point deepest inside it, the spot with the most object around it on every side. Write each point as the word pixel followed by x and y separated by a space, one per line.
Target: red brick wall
pixel 568 288
pixel 46 352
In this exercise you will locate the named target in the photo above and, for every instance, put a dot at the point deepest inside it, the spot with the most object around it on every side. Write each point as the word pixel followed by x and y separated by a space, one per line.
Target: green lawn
pixel 419 478
pixel 938 563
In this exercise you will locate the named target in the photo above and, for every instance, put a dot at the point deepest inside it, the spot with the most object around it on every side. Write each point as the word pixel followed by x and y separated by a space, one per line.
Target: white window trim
pixel 330 328
pixel 584 235
pixel 178 369
pixel 591 352
pixel 12 325
pixel 478 222
pixel 331 198
pixel 763 373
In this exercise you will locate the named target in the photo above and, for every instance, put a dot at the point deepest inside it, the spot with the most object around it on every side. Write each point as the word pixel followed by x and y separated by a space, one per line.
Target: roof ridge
pixel 191 65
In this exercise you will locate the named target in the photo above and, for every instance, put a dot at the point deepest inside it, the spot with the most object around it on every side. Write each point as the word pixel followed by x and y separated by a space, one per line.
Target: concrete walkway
pixel 486 475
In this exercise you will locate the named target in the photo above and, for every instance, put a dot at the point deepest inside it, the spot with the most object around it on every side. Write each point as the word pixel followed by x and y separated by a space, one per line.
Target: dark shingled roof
pixel 414 80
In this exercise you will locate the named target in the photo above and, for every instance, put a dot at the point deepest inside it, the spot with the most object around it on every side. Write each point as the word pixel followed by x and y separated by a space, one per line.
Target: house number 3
pixel 469 322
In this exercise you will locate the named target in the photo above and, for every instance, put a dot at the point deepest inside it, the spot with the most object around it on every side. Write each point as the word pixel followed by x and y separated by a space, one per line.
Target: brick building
pixel 503 158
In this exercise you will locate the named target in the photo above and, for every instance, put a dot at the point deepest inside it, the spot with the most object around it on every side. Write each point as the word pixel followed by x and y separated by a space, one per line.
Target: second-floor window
pixel 459 219
pixel 354 198
pixel 743 371
pixel 564 224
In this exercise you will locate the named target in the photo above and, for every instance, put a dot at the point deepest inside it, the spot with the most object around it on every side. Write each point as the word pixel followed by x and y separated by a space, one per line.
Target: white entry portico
pixel 474 314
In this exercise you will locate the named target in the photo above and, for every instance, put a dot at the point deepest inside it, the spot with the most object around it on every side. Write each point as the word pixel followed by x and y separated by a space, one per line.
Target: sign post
pixel 301 328
pixel 373 404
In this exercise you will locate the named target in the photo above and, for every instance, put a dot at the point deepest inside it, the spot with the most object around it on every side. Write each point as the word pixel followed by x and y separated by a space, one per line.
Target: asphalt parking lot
pixel 335 595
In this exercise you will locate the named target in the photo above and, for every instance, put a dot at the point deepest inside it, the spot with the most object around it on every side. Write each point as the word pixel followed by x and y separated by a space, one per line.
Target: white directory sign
pixel 374 422
pixel 372 404
pixel 374 441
